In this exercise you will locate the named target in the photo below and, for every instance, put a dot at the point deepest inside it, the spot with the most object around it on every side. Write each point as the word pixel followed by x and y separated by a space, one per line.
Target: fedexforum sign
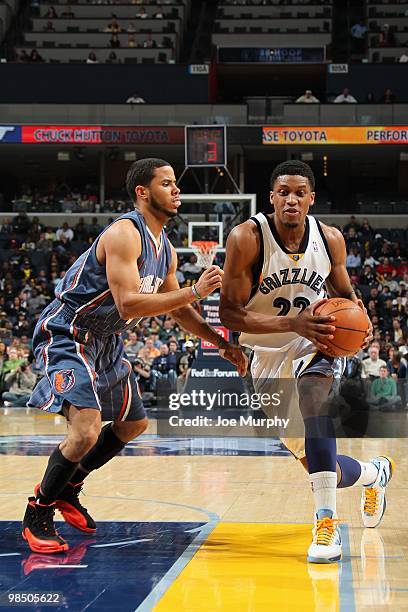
pixel 319 135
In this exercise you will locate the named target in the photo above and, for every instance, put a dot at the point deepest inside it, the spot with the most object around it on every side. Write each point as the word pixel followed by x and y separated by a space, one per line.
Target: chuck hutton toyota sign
pixel 101 134
pixel 90 134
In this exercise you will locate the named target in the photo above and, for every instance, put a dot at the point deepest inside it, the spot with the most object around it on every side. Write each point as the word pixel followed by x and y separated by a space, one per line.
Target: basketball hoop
pixel 205 251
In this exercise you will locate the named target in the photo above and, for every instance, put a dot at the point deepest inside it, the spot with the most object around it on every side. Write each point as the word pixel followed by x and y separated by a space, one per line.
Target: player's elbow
pixel 228 317
pixel 125 307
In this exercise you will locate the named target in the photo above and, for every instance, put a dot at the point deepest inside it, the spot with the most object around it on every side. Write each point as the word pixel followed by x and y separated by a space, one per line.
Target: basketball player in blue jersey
pixel 128 273
pixel 275 268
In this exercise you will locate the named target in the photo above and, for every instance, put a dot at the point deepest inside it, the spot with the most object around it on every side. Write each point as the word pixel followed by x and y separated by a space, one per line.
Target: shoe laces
pixel 324 530
pixel 73 494
pixel 370 501
pixel 44 518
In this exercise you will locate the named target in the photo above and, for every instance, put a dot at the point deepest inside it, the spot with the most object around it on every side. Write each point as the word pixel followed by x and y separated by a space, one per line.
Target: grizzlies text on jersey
pixel 289 282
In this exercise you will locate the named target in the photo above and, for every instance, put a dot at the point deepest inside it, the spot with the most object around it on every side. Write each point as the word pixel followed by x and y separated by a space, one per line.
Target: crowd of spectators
pixel 34 258
pixel 345 97
pixel 378 269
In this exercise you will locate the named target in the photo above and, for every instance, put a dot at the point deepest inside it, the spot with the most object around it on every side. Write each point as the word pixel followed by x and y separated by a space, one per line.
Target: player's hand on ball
pixel 236 356
pixel 369 335
pixel 314 327
pixel 209 281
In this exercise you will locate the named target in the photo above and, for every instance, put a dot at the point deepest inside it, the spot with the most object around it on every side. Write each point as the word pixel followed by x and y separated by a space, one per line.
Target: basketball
pixel 351 326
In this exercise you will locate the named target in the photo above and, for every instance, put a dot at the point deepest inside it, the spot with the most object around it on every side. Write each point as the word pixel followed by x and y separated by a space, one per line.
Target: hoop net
pixel 205 251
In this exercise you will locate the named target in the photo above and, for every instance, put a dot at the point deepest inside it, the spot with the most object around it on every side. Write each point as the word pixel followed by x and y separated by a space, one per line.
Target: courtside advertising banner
pixel 101 134
pixel 335 135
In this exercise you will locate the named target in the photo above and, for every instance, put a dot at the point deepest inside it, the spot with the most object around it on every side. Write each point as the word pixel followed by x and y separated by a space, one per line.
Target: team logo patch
pixel 64 380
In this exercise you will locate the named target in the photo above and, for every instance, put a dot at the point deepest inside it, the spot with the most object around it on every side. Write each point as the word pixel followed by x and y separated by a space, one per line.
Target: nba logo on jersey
pixel 315 247
pixel 64 380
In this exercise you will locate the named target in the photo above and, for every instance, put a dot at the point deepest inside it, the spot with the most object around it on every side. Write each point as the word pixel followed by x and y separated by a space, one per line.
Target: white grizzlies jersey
pixel 288 282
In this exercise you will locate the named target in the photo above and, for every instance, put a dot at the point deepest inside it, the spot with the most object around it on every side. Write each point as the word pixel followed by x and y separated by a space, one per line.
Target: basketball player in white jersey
pixel 276 271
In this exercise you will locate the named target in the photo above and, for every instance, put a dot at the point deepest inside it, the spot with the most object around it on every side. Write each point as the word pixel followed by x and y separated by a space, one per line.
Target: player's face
pixel 163 195
pixel 292 198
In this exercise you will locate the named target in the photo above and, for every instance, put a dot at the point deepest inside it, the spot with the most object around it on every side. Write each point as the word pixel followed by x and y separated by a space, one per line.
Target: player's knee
pixel 128 430
pixel 85 440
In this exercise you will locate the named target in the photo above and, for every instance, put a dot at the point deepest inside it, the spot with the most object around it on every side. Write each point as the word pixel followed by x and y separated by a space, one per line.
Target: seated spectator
pixel 168 330
pixel 142 369
pixel 403 58
pixel 65 233
pixel 353 259
pixel 94 229
pixel 51 13
pixel 307 98
pixel 345 98
pixel 132 41
pixel 370 367
pixel 367 276
pixel 135 99
pixel 49 27
pixel 131 28
pixel 158 15
pixel 91 59
pixel 383 393
pixel 366 230
pixel 22 57
pixel 114 41
pixel 13 361
pixel 388 97
pixel 149 43
pixel 370 98
pixel 133 346
pixel 113 27
pixel 396 365
pixel 164 368
pixel 150 351
pixel 142 13
pixel 113 58
pixel 35 57
pixel 68 13
pixel 352 224
pixel 185 362
pixel 190 269
pixel 19 384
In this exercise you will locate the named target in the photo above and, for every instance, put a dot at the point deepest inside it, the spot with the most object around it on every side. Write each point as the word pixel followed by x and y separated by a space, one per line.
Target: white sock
pixel 324 486
pixel 369 473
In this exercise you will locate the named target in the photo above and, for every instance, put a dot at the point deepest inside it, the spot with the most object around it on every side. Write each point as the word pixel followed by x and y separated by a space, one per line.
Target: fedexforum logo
pixel 4 129
pixel 215 373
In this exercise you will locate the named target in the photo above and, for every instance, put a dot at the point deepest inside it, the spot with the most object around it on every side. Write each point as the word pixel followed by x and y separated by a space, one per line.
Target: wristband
pixel 195 293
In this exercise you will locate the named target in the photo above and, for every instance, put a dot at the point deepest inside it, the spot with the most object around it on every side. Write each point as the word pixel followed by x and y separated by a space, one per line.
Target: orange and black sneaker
pixel 72 510
pixel 39 530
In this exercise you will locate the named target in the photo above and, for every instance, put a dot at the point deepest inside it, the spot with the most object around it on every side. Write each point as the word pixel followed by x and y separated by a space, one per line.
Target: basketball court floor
pixel 193 524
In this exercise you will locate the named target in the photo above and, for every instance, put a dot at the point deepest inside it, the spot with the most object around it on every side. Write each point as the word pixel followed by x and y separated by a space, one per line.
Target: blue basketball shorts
pixel 82 369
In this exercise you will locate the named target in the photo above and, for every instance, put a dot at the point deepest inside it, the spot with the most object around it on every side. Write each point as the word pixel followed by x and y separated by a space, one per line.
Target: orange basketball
pixel 351 326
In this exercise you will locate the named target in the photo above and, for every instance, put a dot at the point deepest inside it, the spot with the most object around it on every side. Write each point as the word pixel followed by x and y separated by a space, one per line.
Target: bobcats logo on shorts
pixel 64 380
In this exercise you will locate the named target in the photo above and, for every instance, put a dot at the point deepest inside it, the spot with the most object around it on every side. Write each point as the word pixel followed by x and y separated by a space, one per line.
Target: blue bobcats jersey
pixel 85 292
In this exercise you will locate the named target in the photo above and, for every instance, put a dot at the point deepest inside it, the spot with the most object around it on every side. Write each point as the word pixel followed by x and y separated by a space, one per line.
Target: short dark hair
pixel 141 172
pixel 293 167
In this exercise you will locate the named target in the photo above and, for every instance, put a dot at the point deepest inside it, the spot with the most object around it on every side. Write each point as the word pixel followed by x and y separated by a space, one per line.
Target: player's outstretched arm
pixel 119 249
pixel 191 321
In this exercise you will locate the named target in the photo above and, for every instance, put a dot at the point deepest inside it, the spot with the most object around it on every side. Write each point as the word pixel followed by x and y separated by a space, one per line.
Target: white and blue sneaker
pixel 326 543
pixel 373 502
